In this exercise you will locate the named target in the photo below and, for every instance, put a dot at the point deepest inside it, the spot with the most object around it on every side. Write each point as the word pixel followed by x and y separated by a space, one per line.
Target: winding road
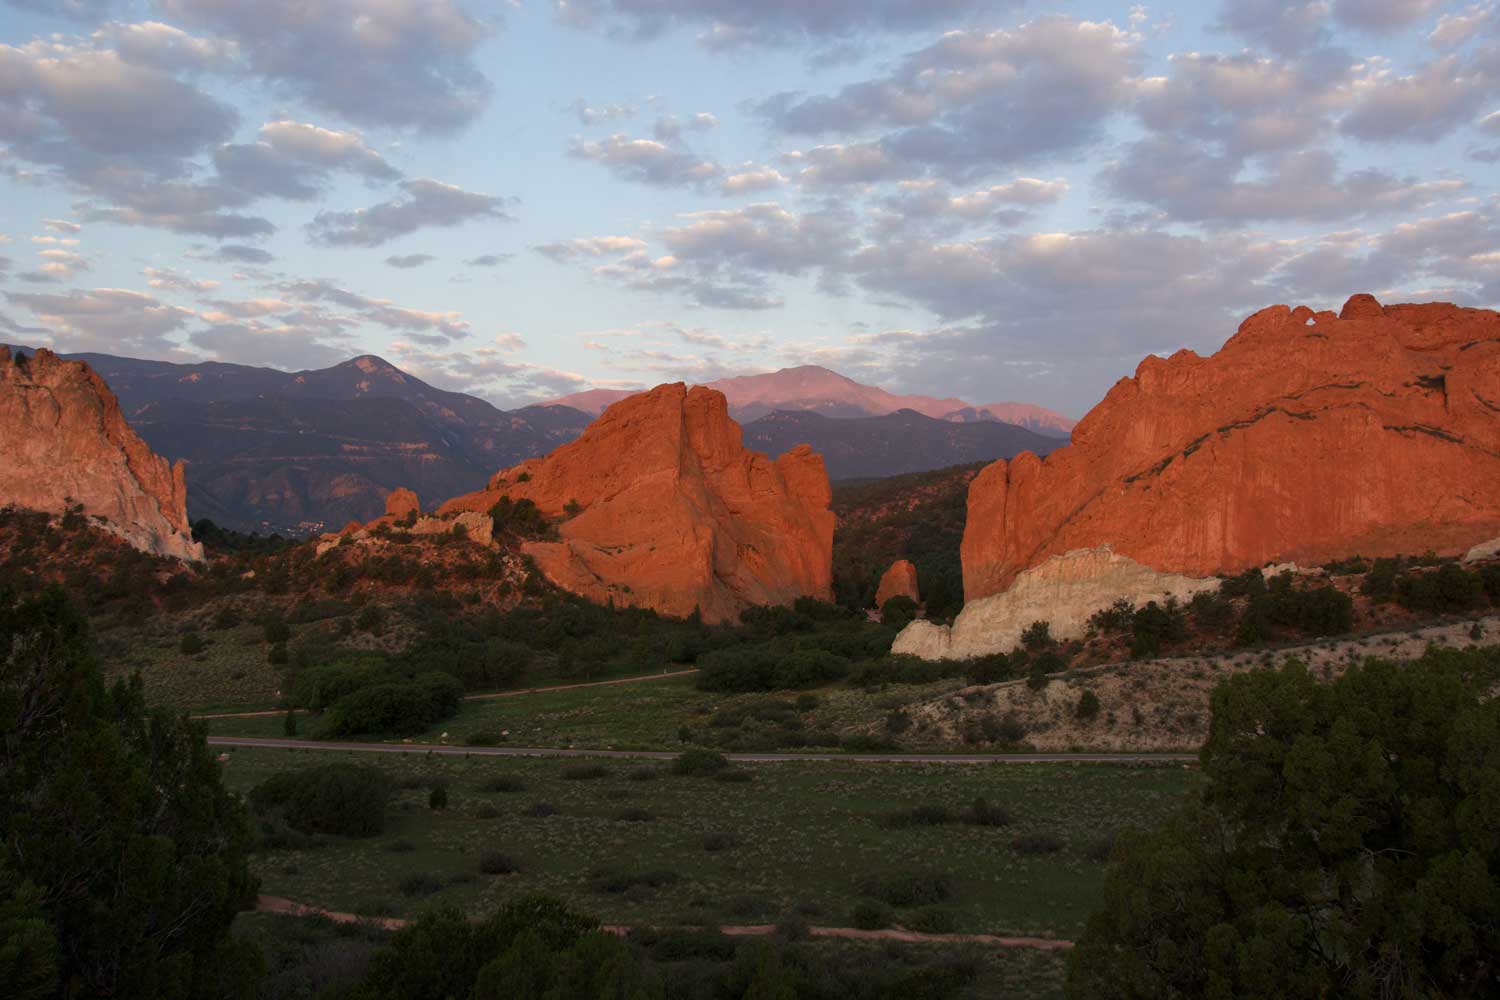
pixel 443 749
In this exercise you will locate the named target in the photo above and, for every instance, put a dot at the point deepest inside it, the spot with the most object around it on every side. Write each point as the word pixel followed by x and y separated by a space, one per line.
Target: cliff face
pixel 1306 437
pixel 65 440
pixel 666 509
pixel 898 581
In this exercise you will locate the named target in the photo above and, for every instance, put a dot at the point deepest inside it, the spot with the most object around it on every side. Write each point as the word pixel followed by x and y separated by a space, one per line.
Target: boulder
pixel 662 506
pixel 66 442
pixel 1308 437
pixel 898 581
pixel 1064 591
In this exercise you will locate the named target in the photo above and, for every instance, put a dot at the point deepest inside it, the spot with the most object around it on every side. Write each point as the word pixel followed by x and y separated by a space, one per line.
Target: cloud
pixel 930 205
pixel 57 265
pixel 488 260
pixel 751 178
pixel 589 115
pixel 593 246
pixel 286 346
pixel 487 372
pixel 648 161
pixel 429 327
pixel 669 128
pixel 1422 106
pixel 426 204
pixel 80 10
pixel 411 260
pixel 168 279
pixel 977 100
pixel 1305 186
pixel 401 63
pixel 294 160
pixel 723 24
pixel 1285 27
pixel 233 253
pixel 61 226
pixel 1454 30
pixel 108 320
pixel 838 165
pixel 1382 15
pixel 92 115
pixel 164 47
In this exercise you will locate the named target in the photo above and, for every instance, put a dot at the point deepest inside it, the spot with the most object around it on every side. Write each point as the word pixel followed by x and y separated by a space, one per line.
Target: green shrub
pixel 1088 706
pixel 585 772
pixel 904 889
pixel 982 813
pixel 699 762
pixel 1155 625
pixel 1041 842
pixel 720 841
pixel 437 799
pixel 898 611
pixel 922 815
pixel 806 702
pixel 340 799
pixel 1037 636
pixel 502 783
pixel 192 644
pixel 497 863
pixel 276 630
pixel 870 915
pixel 933 920
pixel 419 884
pixel 399 709
pixel 1449 589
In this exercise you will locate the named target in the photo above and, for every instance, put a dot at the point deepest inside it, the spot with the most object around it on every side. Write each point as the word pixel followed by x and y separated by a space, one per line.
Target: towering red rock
pixel 64 440
pixel 1306 437
pixel 666 509
pixel 898 581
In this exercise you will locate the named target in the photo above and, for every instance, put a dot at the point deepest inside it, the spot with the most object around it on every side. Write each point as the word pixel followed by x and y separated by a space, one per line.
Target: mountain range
pixel 813 389
pixel 299 452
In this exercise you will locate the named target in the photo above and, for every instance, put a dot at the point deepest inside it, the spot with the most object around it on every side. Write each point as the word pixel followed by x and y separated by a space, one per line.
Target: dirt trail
pixel 488 695
pixel 288 907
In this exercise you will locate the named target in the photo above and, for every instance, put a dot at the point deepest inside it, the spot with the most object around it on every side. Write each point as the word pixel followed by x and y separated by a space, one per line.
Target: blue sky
pixel 993 200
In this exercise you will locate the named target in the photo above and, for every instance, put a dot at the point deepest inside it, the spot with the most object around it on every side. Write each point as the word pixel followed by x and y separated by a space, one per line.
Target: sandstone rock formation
pixel 1063 591
pixel 401 502
pixel 1308 436
pixel 65 440
pixel 898 581
pixel 666 509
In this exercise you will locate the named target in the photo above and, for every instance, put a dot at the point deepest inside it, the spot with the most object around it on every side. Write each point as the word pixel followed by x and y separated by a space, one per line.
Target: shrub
pixel 1042 842
pixel 1449 589
pixel 898 611
pixel 484 738
pixel 420 884
pixel 635 814
pixel 1155 625
pixel 870 915
pixel 1037 636
pixel 192 644
pixel 615 881
pixel 497 863
pixel 276 630
pixel 1115 618
pixel 585 772
pixel 401 846
pixel 644 773
pixel 437 799
pixel 277 655
pixel 341 799
pixel 699 762
pixel 720 841
pixel 903 889
pixel 734 776
pixel 806 702
pixel 540 810
pixel 1088 706
pixel 933 920
pixel 982 813
pixel 486 810
pixel 502 783
pixel 1379 583
pixel 923 815
pixel 400 708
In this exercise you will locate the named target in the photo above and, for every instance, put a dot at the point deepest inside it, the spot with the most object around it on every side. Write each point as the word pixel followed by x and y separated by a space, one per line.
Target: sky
pixel 986 199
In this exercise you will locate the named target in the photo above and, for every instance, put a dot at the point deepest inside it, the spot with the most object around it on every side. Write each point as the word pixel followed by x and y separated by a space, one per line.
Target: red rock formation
pixel 401 502
pixel 666 509
pixel 63 439
pixel 898 581
pixel 1306 437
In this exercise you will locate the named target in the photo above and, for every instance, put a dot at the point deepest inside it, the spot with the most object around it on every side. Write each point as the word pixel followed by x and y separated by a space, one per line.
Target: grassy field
pixel 639 845
pixel 645 715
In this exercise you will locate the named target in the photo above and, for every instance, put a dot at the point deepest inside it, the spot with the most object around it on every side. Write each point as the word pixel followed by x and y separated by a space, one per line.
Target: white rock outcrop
pixel 1484 550
pixel 1064 591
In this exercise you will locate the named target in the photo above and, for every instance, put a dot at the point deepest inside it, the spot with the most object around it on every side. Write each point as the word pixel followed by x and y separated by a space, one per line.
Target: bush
pixel 1153 626
pixel 1450 589
pixel 933 920
pixel 1042 842
pixel 806 702
pixel 400 709
pixel 192 644
pixel 1088 706
pixel 486 810
pixel 341 799
pixel 898 611
pixel 540 810
pixel 419 884
pixel 903 889
pixel 276 630
pixel 437 799
pixel 484 738
pixel 1115 618
pixel 635 814
pixel 982 813
pixel 643 773
pixel 699 762
pixel 1037 636
pixel 870 915
pixel 502 783
pixel 497 863
pixel 585 772
pixel 923 815
pixel 720 841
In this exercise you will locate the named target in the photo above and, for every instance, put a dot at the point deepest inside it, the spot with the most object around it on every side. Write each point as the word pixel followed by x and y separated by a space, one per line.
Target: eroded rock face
pixel 1307 437
pixel 63 438
pixel 1064 591
pixel 400 502
pixel 666 509
pixel 898 581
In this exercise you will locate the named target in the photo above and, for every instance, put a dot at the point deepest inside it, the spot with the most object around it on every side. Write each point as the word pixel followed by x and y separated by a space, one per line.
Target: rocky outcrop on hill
pixel 1064 591
pixel 898 581
pixel 665 508
pixel 66 442
pixel 401 502
pixel 1308 436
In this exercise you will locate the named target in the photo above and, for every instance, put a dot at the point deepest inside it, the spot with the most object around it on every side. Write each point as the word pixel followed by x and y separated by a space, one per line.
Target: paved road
pixel 745 758
pixel 489 695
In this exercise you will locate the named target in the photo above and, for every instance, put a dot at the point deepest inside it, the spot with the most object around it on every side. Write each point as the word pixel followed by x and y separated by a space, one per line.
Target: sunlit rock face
pixel 63 440
pixel 665 508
